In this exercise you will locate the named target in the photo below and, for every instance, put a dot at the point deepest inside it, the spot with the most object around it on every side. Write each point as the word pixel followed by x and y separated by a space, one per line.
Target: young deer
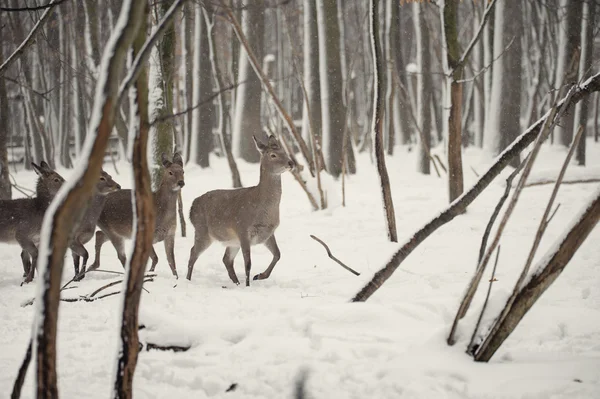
pixel 21 219
pixel 243 217
pixel 116 219
pixel 87 227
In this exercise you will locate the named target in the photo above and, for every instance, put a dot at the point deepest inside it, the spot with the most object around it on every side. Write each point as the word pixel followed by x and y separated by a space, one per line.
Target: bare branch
pixel 339 262
pixel 29 40
pixel 34 8
pixel 471 45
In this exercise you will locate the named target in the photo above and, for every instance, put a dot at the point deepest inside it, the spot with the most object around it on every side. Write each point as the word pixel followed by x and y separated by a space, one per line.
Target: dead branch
pixel 339 262
pixel 546 272
pixel 538 238
pixel 88 299
pixel 174 348
pixel 485 302
pixel 460 204
pixel 475 38
pixel 580 181
pixel 18 385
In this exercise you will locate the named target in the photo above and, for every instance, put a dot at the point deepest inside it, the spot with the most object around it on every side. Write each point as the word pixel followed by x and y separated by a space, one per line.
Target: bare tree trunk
pixel 5 186
pixel 400 29
pixel 142 245
pixel 424 86
pixel 188 57
pixel 377 123
pixel 65 213
pixel 247 111
pixel 449 15
pixel 546 272
pixel 311 72
pixel 568 62
pixel 587 45
pixel 478 97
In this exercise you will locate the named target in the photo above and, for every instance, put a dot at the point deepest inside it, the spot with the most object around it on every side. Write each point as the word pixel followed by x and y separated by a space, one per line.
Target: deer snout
pixel 180 183
pixel 118 186
pixel 292 164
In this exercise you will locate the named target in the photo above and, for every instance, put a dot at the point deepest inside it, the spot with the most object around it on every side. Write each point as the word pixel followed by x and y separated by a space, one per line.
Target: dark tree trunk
pixel 5 187
pixel 585 67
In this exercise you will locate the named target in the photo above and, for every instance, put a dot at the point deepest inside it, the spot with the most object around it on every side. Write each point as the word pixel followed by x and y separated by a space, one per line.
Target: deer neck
pixel 96 206
pixel 269 186
pixel 165 197
pixel 42 197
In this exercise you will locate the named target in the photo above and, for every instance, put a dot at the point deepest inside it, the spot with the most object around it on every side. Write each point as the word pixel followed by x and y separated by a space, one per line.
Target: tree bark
pixel 311 73
pixel 546 272
pixel 247 111
pixel 424 86
pixel 143 236
pixel 5 186
pixel 330 75
pixel 568 62
pixel 377 122
pixel 65 213
pixel 459 206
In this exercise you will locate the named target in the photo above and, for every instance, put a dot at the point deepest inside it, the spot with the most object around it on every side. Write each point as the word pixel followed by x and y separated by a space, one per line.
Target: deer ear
pixel 259 145
pixel 44 165
pixel 37 169
pixel 273 143
pixel 165 161
pixel 177 159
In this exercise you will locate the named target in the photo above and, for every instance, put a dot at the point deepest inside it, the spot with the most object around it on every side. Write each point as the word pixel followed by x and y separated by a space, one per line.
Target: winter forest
pixel 299 198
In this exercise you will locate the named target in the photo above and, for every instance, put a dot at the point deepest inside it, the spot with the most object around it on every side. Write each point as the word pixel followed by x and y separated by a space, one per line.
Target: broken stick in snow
pixel 339 262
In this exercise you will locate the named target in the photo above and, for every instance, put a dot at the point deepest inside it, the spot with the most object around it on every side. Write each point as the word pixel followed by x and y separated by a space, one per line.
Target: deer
pixel 87 226
pixel 243 217
pixel 21 219
pixel 116 219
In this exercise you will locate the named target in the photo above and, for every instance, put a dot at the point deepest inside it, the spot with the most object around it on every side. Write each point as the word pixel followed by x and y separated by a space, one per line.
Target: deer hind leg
pixel 271 245
pixel 100 240
pixel 154 258
pixel 202 240
pixel 228 257
pixel 245 245
pixel 170 251
pixel 29 247
pixel 26 260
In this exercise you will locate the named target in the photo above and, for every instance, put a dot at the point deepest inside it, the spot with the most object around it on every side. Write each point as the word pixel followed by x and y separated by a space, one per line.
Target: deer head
pixel 173 175
pixel 49 181
pixel 106 184
pixel 273 157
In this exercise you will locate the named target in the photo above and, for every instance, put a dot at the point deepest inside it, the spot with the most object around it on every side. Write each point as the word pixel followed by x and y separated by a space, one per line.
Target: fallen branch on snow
pixel 339 262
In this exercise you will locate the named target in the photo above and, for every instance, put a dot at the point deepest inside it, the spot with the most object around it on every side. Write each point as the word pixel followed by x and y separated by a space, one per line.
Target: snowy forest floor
pixel 262 337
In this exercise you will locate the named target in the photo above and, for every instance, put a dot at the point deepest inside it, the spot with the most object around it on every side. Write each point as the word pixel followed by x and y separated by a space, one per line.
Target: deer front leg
pixel 78 251
pixel 154 258
pixel 26 260
pixel 228 257
pixel 271 245
pixel 245 245
pixel 29 247
pixel 170 251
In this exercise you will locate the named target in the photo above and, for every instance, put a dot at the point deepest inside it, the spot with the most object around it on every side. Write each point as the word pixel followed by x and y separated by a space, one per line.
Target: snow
pixel 262 337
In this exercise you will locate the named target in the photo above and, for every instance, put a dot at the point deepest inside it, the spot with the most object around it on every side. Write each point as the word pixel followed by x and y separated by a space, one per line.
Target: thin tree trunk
pixel 377 122
pixel 143 232
pixel 65 213
pixel 311 73
pixel 5 186
pixel 424 86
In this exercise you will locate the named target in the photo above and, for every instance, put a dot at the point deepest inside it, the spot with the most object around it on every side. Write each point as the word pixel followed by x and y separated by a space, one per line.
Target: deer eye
pixel 102 179
pixel 56 180
pixel 171 173
pixel 273 156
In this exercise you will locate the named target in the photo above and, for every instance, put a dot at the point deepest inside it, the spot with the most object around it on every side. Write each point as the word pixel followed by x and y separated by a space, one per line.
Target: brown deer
pixel 87 226
pixel 116 219
pixel 21 219
pixel 243 217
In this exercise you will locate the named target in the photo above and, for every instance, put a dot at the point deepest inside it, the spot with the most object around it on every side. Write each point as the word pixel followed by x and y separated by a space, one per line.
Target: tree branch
pixel 461 203
pixel 34 8
pixel 471 45
pixel 339 262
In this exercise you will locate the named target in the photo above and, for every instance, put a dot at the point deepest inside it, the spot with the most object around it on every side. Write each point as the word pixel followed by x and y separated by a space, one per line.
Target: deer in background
pixel 87 226
pixel 116 218
pixel 243 217
pixel 21 219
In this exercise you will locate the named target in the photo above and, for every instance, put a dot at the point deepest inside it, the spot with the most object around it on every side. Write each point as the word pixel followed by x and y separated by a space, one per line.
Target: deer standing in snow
pixel 243 217
pixel 116 219
pixel 87 226
pixel 21 219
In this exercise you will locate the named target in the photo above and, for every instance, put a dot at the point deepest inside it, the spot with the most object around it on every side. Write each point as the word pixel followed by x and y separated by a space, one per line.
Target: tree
pixel 378 120
pixel 424 86
pixel 568 61
pixel 5 186
pixel 311 71
pixel 202 116
pixel 247 112
pixel 505 99
pixel 330 76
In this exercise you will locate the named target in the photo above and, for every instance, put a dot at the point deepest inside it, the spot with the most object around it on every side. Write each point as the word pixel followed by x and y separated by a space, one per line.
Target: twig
pixel 474 171
pixel 581 181
pixel 475 38
pixel 88 299
pixel 536 241
pixel 471 348
pixel 553 213
pixel 174 348
pixel 339 262
pixel 441 163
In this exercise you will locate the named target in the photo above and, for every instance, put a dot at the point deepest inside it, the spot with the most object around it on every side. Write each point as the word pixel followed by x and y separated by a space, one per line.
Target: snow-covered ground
pixel 264 336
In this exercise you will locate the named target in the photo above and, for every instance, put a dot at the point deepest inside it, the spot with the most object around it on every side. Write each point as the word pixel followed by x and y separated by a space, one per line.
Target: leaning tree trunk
pixel 585 66
pixel 424 86
pixel 64 212
pixel 333 113
pixel 546 272
pixel 377 122
pixel 449 14
pixel 144 212
pixel 568 62
pixel 247 112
